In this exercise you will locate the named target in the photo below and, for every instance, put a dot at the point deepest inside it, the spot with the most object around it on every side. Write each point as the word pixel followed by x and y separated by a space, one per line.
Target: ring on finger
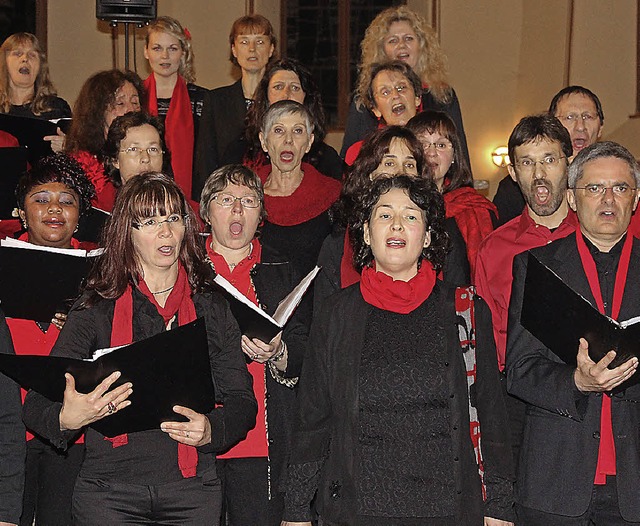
pixel 111 408
pixel 186 434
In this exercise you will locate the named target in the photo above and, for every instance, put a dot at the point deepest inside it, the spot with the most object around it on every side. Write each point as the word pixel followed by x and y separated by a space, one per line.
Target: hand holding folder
pixel 171 368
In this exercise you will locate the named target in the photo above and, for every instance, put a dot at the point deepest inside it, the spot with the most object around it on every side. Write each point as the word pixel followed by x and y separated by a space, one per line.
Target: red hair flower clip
pixel 187 34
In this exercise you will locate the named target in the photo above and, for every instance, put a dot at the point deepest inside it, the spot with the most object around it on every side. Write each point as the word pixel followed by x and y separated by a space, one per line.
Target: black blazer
pixel 222 121
pixel 560 449
pixel 12 439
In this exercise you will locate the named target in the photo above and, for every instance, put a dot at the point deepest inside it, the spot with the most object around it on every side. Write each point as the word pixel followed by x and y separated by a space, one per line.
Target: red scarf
pixel 472 213
pixel 178 129
pixel 105 191
pixel 314 196
pixel 382 291
pixel 122 334
pixel 607 452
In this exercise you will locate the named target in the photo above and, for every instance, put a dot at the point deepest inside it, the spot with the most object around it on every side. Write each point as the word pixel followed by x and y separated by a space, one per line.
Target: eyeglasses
pixel 134 151
pixel 596 190
pixel 149 226
pixel 228 200
pixel 572 118
pixel 387 91
pixel 440 146
pixel 529 165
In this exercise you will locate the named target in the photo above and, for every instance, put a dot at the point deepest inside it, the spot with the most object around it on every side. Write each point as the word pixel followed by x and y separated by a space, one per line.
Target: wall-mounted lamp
pixel 500 156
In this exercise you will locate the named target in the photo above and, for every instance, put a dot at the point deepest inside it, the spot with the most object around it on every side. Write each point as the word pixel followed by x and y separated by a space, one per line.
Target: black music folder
pixel 558 316
pixel 30 132
pixel 13 162
pixel 171 368
pixel 36 282
pixel 91 224
pixel 253 321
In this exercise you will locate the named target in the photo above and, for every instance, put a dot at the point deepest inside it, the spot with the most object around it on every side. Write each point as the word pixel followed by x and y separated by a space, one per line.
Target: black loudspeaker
pixel 126 10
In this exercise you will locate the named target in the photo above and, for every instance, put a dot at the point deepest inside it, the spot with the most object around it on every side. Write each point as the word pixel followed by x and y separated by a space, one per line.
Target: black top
pixel 361 123
pixel 12 442
pixel 59 110
pixel 223 114
pixel 508 200
pixel 324 456
pixel 404 437
pixel 150 457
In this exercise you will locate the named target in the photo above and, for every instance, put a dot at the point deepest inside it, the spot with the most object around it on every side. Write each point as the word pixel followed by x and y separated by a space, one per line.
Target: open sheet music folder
pixel 30 132
pixel 558 316
pixel 253 321
pixel 171 368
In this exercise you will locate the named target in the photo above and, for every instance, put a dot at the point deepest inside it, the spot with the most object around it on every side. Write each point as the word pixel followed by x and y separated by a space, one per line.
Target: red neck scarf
pixel 122 334
pixel 607 452
pixel 240 276
pixel 74 242
pixel 472 213
pixel 380 290
pixel 178 129
pixel 314 196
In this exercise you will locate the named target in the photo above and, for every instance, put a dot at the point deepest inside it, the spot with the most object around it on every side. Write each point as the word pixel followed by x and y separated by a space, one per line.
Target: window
pixel 325 36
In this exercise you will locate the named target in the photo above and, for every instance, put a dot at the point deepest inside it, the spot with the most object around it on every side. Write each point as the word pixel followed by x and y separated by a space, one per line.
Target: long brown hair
pixel 43 89
pixel 145 196
pixel 96 96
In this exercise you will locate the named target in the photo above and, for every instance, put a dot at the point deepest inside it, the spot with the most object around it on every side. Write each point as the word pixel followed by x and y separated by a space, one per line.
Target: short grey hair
pixel 285 107
pixel 599 150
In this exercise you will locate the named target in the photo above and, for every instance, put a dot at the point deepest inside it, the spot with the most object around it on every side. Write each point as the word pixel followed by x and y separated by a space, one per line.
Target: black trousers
pixel 188 502
pixel 603 510
pixel 49 480
pixel 245 493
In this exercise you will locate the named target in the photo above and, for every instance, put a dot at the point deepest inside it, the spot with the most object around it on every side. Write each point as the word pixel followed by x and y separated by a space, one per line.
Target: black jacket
pixel 222 120
pixel 12 439
pixel 274 278
pixel 559 453
pixel 328 416
pixel 87 330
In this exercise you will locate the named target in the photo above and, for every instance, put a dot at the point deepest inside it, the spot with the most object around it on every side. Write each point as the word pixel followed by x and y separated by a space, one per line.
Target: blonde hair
pixel 432 62
pixel 43 88
pixel 166 24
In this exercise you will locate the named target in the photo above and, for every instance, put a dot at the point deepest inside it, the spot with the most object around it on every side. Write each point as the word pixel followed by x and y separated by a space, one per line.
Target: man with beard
pixel 539 148
pixel 580 112
pixel 580 458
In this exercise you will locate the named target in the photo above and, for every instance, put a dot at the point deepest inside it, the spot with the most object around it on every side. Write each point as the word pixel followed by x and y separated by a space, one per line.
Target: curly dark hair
pixel 432 121
pixel 117 133
pixel 146 195
pixel 312 101
pixel 58 168
pixel 96 96
pixel 424 194
pixel 371 154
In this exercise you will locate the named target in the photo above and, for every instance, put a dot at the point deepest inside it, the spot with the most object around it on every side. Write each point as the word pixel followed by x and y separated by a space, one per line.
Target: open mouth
pixel 402 56
pixel 398 109
pixel 395 242
pixel 24 70
pixel 579 144
pixel 286 156
pixel 236 228
pixel 542 194
pixel 167 250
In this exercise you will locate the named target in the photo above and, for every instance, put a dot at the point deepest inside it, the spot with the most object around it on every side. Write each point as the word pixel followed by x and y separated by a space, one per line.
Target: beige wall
pixel 507 57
